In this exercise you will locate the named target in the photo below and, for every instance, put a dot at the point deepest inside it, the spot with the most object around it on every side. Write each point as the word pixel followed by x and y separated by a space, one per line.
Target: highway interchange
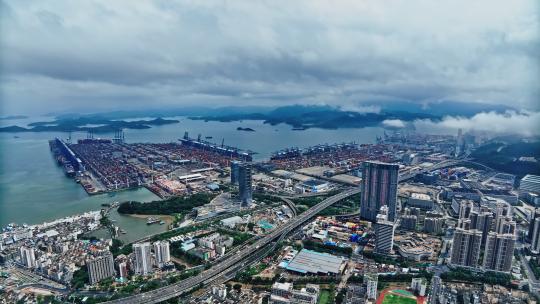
pixel 241 258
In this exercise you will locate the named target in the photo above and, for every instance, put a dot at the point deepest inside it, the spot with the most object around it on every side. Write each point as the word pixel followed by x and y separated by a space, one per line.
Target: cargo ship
pixel 220 149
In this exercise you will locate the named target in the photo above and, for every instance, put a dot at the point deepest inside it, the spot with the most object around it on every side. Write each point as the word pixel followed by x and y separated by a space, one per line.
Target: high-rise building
pixel 465 208
pixel 379 188
pixel 371 280
pixel 28 256
pixel 460 143
pixel 433 225
pixel 499 251
pixel 384 232
pixel 244 184
pixel 100 268
pixel 535 215
pixel 235 171
pixel 409 222
pixel 162 253
pixel 123 270
pixel 466 246
pixel 143 258
pixel 535 236
pixel 419 285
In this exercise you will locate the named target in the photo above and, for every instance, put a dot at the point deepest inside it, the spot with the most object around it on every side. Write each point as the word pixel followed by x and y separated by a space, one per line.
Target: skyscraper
pixel 535 236
pixel 235 170
pixel 536 214
pixel 379 188
pixel 384 232
pixel 100 268
pixel 244 184
pixel 162 253
pixel 143 258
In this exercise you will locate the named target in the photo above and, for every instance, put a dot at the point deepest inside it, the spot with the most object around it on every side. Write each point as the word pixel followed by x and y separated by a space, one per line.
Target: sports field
pixel 397 299
pixel 397 296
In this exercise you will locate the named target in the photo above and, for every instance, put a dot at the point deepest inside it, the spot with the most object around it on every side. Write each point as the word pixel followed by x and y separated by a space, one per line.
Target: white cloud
pixel 394 123
pixel 523 123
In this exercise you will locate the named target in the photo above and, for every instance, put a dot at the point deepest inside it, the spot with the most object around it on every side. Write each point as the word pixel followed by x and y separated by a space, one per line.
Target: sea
pixel 34 189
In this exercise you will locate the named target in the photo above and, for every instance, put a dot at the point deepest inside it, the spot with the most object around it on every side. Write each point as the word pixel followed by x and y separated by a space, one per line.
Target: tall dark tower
pixel 379 188
pixel 244 184
pixel 235 171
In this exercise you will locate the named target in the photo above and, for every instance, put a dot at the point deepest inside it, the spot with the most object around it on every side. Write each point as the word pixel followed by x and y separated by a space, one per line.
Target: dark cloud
pixel 97 55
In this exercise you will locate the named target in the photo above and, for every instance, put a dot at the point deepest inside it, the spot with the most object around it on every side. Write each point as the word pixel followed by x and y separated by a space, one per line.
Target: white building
pixel 370 280
pixel 162 253
pixel 419 286
pixel 28 256
pixel 143 258
pixel 283 293
pixel 420 200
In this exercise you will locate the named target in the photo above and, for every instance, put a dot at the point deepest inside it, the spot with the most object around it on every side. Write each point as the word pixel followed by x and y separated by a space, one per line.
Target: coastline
pixel 168 219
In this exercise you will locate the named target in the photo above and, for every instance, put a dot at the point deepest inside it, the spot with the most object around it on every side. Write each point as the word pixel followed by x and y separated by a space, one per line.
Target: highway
pixel 177 289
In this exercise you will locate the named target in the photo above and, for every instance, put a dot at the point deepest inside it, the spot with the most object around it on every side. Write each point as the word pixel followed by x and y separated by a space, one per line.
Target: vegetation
pixel 266 198
pixel 325 117
pixel 246 276
pixel 177 252
pixel 504 157
pixel 535 267
pixel 118 248
pixel 238 237
pixel 490 277
pixel 80 278
pixel 382 259
pixel 320 247
pixel 182 205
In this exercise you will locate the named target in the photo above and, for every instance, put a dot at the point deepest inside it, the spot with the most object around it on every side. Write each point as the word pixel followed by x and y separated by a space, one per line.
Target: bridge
pixel 239 259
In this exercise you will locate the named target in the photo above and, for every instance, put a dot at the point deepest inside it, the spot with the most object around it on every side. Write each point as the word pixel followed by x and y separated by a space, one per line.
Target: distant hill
pixel 80 124
pixel 325 117
pixel 505 157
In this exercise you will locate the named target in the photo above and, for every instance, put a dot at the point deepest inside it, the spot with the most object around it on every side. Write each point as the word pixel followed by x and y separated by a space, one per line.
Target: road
pixel 239 259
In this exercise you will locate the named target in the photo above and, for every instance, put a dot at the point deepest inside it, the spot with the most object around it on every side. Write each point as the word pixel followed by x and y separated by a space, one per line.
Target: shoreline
pixel 168 219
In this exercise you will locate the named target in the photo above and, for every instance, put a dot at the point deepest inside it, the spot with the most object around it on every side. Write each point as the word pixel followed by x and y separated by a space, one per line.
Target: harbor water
pixel 34 189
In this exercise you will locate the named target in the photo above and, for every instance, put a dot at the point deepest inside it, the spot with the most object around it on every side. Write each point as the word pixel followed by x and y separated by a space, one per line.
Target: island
pixel 93 124
pixel 245 129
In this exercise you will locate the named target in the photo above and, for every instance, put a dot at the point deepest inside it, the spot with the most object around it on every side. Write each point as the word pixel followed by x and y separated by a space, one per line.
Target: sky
pixel 91 56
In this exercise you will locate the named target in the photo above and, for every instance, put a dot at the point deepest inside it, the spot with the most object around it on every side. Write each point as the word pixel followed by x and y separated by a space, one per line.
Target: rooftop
pixel 308 261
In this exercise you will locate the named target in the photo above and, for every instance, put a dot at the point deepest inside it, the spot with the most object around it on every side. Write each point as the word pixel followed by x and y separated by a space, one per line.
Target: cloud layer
pixel 97 55
pixel 525 123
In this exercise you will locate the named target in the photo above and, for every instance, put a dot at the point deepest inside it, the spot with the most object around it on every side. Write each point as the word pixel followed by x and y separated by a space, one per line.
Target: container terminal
pixel 169 169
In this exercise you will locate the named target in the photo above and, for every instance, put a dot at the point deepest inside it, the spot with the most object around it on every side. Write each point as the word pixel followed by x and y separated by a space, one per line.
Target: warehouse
pixel 312 262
